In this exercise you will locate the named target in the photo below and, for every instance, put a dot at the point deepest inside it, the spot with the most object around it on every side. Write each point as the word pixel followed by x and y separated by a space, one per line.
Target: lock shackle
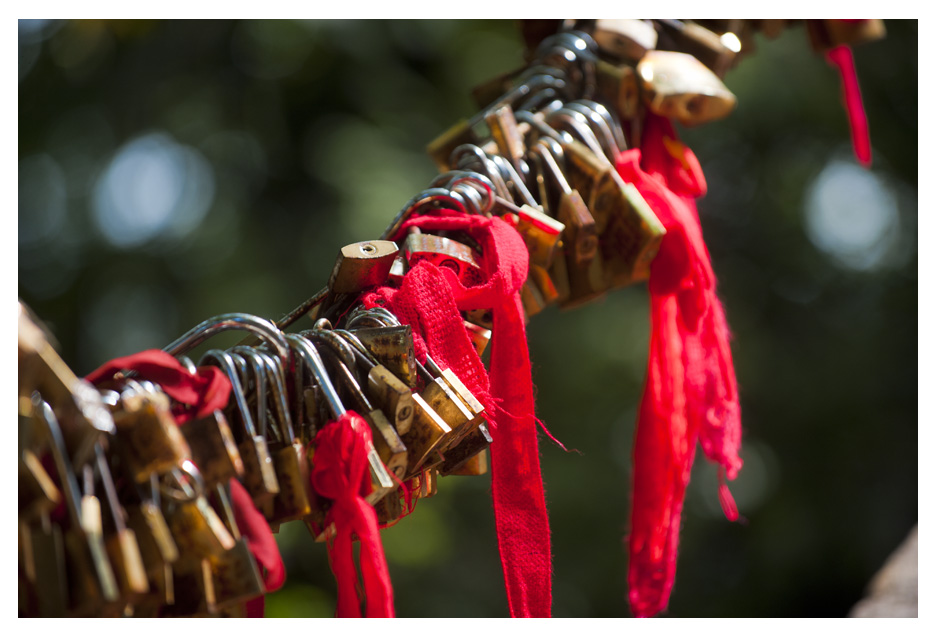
pixel 473 184
pixel 277 382
pixel 227 365
pixel 612 121
pixel 574 54
pixel 333 343
pixel 519 90
pixel 546 130
pixel 543 153
pixel 382 316
pixel 598 126
pixel 361 352
pixel 266 330
pixel 188 364
pixel 250 357
pixel 470 155
pixel 512 178
pixel 544 99
pixel 310 356
pixel 63 464
pixel 578 127
pixel 191 485
pixel 336 354
pixel 429 197
pixel 110 490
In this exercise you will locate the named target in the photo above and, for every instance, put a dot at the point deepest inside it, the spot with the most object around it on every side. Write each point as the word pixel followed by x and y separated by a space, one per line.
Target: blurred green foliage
pixel 256 149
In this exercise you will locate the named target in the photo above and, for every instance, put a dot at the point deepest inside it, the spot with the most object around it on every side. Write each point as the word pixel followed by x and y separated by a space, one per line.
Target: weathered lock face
pixel 541 235
pixel 443 253
pixel 393 395
pixel 625 39
pixel 213 448
pixel 362 265
pixel 393 347
pixel 147 434
pixel 292 502
pixel 678 86
pixel 427 433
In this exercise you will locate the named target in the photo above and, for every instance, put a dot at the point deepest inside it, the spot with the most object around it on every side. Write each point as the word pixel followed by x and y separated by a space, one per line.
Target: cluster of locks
pixel 124 512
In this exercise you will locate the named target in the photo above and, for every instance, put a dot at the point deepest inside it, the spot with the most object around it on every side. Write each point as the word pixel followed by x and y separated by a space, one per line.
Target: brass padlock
pixel 147 435
pixel 44 568
pixel 386 440
pixel 504 131
pixel 443 253
pixel 213 448
pixel 196 527
pixel 362 265
pixel 427 433
pixel 194 590
pixel 38 493
pixel 235 573
pixel 120 541
pixel 393 347
pixel 716 51
pixel 158 549
pixel 466 452
pixel 478 335
pixel 625 40
pixel 678 86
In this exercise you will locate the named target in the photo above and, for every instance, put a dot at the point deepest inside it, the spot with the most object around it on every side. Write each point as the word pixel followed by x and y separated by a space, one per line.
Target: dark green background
pixel 313 134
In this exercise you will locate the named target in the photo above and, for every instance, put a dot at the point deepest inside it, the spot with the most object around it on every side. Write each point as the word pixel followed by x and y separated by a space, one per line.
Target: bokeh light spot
pixel 852 216
pixel 152 186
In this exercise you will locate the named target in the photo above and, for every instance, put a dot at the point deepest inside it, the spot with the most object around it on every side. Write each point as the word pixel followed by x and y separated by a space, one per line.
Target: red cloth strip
pixel 340 473
pixel 196 396
pixel 841 57
pixel 690 390
pixel 432 309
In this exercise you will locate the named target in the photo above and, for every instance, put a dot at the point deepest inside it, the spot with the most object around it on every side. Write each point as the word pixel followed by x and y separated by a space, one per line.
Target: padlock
pixel 541 234
pixel 427 434
pixel 235 573
pixel 120 542
pixel 827 34
pixel 386 440
pixel 362 265
pixel 715 51
pixel 393 347
pixel 624 40
pixel 80 414
pixel 44 568
pixel 468 458
pixel 195 525
pixel 443 253
pixel 509 141
pixel 259 479
pixel 443 399
pixel 617 86
pixel 678 86
pixel 194 591
pixel 478 335
pixel 37 490
pixel 158 549
pixel 147 435
pixel 382 482
pixel 213 448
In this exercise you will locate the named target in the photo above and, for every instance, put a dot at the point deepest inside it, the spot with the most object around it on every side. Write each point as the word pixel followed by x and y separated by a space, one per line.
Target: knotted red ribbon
pixel 429 301
pixel 841 57
pixel 340 473
pixel 196 396
pixel 690 389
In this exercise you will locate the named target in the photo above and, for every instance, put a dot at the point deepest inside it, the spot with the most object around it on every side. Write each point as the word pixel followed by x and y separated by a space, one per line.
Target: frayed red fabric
pixel 340 473
pixel 196 395
pixel 690 390
pixel 429 300
pixel 841 58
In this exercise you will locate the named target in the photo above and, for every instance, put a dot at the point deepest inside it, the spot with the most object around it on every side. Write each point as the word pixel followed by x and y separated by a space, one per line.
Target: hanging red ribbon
pixel 841 57
pixel 340 473
pixel 429 300
pixel 198 395
pixel 690 389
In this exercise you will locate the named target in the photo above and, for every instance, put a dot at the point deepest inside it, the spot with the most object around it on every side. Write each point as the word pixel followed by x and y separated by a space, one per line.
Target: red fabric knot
pixel 690 390
pixel 429 300
pixel 196 395
pixel 340 473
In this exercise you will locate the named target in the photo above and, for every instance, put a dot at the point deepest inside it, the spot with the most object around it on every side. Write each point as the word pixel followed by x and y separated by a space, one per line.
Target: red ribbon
pixel 198 395
pixel 690 390
pixel 340 473
pixel 841 57
pixel 429 300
